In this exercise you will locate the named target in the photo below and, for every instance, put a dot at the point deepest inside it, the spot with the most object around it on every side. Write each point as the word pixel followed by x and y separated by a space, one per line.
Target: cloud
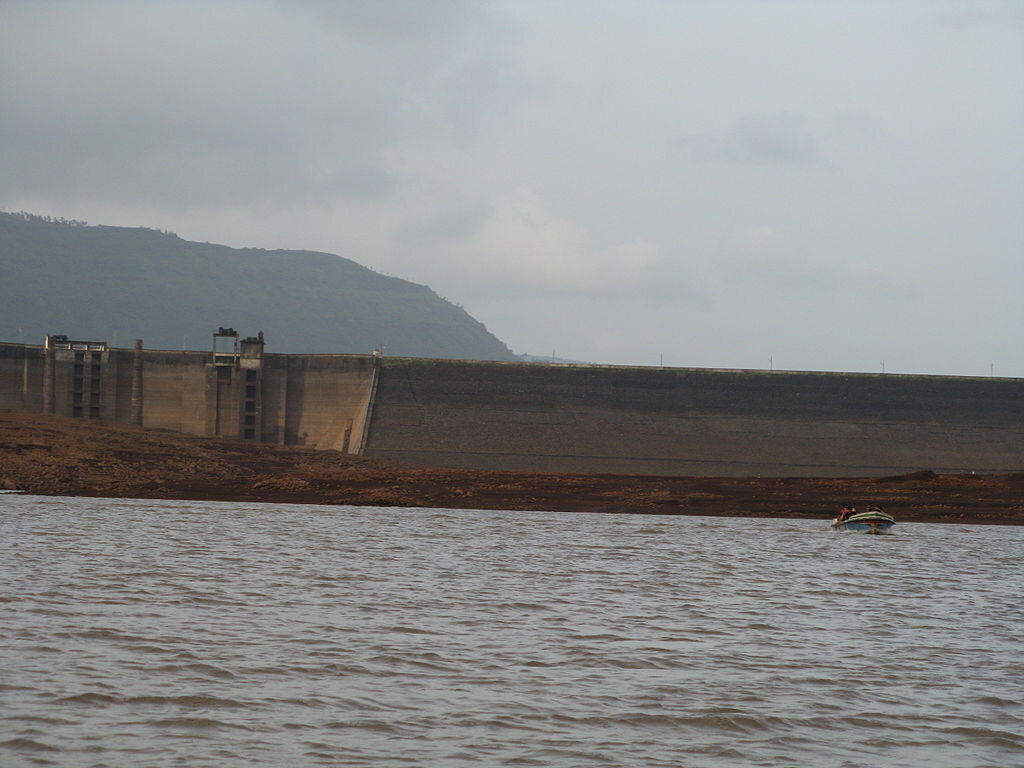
pixel 497 151
pixel 781 142
pixel 447 225
pixel 768 260
pixel 523 244
pixel 194 105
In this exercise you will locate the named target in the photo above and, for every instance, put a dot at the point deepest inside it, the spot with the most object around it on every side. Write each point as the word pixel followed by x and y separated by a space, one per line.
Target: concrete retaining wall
pixel 693 421
pixel 21 372
pixel 548 418
pixel 319 401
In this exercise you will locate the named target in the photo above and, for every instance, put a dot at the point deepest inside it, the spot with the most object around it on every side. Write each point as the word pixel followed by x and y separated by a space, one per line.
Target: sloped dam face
pixel 559 418
pixel 537 417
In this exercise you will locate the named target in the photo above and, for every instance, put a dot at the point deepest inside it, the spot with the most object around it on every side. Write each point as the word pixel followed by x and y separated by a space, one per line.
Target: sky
pixel 790 185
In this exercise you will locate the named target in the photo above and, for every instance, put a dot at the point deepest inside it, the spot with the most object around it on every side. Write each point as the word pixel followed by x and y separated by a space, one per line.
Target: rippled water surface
pixel 137 633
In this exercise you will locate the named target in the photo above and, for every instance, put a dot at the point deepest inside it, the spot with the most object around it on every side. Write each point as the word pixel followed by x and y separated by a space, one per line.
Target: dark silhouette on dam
pixel 533 416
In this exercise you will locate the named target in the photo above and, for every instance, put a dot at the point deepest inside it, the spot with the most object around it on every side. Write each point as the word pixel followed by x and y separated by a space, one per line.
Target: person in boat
pixel 875 508
pixel 845 512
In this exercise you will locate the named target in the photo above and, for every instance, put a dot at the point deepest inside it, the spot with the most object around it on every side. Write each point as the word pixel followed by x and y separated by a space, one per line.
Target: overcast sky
pixel 808 185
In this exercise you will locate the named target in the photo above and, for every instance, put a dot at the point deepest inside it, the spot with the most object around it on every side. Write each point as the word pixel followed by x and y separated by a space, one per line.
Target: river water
pixel 166 633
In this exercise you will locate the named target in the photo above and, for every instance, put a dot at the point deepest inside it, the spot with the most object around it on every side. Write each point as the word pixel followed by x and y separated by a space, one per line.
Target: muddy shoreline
pixel 52 455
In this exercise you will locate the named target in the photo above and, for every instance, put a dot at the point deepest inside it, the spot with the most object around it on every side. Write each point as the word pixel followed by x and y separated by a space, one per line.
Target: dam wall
pixel 535 417
pixel 318 401
pixel 677 421
pixel 21 383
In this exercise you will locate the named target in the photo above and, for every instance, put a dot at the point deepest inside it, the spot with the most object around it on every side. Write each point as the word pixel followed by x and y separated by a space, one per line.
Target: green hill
pixel 118 284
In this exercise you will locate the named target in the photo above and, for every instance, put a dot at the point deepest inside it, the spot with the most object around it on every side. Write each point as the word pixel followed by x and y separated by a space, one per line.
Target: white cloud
pixel 522 243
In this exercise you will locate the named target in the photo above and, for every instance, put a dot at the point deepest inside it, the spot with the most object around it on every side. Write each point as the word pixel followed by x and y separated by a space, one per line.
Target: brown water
pixel 136 633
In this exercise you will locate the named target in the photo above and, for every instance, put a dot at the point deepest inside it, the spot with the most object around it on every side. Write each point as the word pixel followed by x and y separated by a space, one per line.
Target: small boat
pixel 872 521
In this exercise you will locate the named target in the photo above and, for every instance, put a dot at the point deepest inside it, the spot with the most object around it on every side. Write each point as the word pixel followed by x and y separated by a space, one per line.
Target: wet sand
pixel 52 455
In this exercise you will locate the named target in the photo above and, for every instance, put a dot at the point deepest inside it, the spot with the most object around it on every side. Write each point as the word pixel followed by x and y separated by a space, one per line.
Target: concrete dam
pixel 533 416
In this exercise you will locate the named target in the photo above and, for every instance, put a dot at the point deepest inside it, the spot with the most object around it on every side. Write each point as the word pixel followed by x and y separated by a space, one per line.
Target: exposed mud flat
pixel 69 457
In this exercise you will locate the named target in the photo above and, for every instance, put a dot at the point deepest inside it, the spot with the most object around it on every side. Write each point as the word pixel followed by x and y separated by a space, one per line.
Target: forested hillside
pixel 118 284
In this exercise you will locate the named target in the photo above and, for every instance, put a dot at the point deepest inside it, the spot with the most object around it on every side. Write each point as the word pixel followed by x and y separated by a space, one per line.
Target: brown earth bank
pixel 51 455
